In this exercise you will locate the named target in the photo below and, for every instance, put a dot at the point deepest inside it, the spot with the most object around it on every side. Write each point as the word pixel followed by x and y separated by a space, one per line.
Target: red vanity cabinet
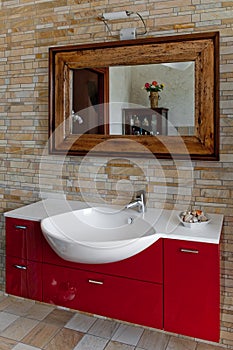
pixel 172 285
pixel 191 289
pixel 23 258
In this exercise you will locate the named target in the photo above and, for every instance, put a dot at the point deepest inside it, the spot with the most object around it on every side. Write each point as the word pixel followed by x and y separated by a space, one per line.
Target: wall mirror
pixel 97 102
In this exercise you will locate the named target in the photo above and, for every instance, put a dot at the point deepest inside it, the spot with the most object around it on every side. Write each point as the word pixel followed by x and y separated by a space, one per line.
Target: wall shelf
pixel 144 121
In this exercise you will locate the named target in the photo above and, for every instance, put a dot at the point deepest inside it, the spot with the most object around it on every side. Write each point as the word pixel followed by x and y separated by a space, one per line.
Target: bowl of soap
pixel 194 218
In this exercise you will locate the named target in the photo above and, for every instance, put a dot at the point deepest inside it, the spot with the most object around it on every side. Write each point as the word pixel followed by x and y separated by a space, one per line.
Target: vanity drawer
pixel 23 239
pixel 23 278
pixel 116 297
pixel 144 266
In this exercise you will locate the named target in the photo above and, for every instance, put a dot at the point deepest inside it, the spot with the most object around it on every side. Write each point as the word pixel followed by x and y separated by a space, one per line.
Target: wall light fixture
pixel 125 33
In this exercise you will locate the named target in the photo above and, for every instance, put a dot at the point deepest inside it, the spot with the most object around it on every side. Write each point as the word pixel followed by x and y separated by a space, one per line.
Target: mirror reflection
pixel 87 97
pixel 129 111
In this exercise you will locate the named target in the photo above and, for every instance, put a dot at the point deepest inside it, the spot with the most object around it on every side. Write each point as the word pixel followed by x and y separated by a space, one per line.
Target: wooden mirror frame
pixel 202 48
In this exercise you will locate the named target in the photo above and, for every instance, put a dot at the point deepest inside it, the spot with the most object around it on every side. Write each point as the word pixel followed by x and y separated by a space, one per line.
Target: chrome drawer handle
pixel 193 251
pixel 20 227
pixel 95 282
pixel 20 267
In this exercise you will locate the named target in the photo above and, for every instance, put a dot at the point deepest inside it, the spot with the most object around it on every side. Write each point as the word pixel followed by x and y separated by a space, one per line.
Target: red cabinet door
pixel 23 239
pixel 125 299
pixel 23 278
pixel 192 289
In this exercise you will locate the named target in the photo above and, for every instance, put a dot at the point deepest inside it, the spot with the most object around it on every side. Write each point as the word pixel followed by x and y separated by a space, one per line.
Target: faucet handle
pixel 141 195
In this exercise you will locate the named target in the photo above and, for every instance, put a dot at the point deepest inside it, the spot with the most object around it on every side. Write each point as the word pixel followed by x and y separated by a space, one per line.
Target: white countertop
pixel 165 222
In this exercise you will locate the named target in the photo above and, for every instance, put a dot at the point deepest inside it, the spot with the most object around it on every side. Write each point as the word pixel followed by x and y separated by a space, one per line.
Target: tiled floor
pixel 28 325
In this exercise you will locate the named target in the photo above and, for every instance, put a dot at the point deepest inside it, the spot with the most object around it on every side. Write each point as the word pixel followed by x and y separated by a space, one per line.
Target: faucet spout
pixel 139 202
pixel 132 204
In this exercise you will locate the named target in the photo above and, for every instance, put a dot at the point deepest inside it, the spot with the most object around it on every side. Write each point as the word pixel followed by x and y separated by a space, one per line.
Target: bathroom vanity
pixel 173 285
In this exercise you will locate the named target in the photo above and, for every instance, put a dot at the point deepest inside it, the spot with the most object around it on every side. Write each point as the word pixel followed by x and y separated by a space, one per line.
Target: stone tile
pixel 81 322
pixel 91 342
pixel 153 340
pixel 113 345
pixel 58 317
pixel 5 302
pixel 41 335
pixel 176 343
pixel 39 311
pixel 65 339
pixel 104 328
pixel 7 344
pixel 6 319
pixel 128 334
pixel 50 336
pixel 19 307
pixel 3 297
pixel 21 346
pixel 19 328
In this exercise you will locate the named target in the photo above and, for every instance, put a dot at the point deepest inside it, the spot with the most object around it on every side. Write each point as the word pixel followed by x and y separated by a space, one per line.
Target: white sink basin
pixel 98 235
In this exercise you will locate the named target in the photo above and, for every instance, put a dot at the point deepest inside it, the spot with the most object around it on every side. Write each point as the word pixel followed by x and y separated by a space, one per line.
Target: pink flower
pixel 147 85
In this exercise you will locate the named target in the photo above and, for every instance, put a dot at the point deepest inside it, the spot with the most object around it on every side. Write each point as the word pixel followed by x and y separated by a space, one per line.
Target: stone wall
pixel 28 29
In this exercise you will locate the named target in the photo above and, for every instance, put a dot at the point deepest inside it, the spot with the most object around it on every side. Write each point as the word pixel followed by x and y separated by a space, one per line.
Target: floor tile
pixel 7 344
pixel 104 328
pixel 29 325
pixel 39 311
pixel 65 339
pixel 3 297
pixel 153 340
pixel 176 343
pixel 19 307
pixel 5 302
pixel 21 346
pixel 19 328
pixel 91 342
pixel 127 334
pixel 41 335
pixel 81 322
pixel 58 317
pixel 6 319
pixel 113 345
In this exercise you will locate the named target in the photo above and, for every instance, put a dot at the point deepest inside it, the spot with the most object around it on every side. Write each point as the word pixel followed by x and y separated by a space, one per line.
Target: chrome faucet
pixel 139 202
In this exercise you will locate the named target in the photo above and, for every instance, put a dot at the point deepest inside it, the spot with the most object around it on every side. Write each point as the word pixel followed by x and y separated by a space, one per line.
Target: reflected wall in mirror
pixel 87 90
pixel 97 95
pixel 126 85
